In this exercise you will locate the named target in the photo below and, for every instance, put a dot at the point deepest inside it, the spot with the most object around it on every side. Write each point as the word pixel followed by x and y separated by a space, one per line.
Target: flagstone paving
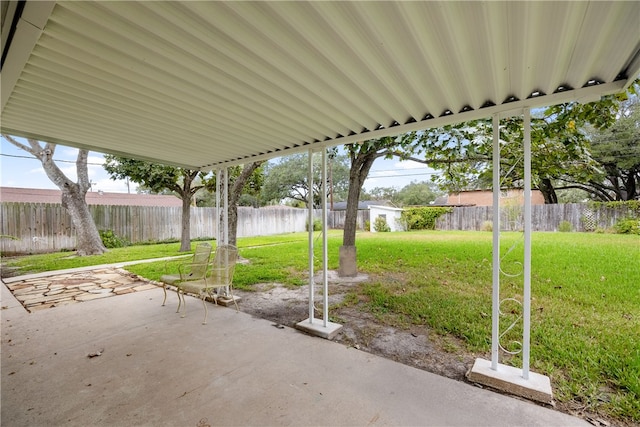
pixel 61 289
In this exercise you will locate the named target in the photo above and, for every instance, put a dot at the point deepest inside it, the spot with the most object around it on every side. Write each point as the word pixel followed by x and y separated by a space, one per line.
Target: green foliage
pixel 632 205
pixel 565 227
pixel 380 225
pixel 367 225
pixel 628 226
pixel 617 151
pixel 110 240
pixel 416 194
pixel 317 225
pixel 155 177
pixel 287 178
pixel 560 145
pixel 487 226
pixel 423 218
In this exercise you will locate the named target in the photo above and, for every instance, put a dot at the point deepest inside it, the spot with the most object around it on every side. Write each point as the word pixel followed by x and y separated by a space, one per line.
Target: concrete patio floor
pixel 158 369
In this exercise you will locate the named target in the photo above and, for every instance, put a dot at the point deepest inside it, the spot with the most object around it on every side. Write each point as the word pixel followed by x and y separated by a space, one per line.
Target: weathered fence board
pixel 42 227
pixel 47 227
pixel 582 217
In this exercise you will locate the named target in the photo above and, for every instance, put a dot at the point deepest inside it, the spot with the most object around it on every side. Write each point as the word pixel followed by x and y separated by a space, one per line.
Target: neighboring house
pixel 513 196
pixel 32 195
pixel 389 213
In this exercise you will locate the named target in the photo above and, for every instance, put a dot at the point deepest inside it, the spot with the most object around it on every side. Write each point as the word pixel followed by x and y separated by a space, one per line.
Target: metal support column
pixel 310 230
pixel 325 257
pixel 526 306
pixel 495 298
pixel 218 216
pixel 521 382
pixel 226 206
pixel 324 329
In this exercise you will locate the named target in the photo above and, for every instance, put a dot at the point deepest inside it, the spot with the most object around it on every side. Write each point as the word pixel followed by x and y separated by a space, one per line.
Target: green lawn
pixel 585 332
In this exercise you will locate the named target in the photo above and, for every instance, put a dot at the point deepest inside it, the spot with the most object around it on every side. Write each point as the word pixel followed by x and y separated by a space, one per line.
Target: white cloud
pixel 36 171
pixel 409 164
pixel 96 159
pixel 110 186
pixel 67 153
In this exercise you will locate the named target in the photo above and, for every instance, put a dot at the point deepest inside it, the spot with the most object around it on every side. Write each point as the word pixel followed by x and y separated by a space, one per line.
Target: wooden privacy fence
pixel 40 227
pixel 581 217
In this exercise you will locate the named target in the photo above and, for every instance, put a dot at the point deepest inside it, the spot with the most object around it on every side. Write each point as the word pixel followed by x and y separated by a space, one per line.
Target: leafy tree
pixel 417 194
pixel 381 193
pixel 158 178
pixel 184 183
pixel 243 180
pixel 362 155
pixel 559 146
pixel 73 193
pixel 617 153
pixel 288 179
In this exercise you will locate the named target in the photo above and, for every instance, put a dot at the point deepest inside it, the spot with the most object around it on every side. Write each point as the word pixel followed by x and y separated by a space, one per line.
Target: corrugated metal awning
pixel 208 84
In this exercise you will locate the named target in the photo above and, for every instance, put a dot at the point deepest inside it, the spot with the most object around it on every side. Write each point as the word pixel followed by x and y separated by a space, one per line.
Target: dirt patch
pixel 414 346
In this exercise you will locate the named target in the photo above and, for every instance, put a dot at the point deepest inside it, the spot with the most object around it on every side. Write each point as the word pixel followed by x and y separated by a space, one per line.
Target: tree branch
pixel 21 145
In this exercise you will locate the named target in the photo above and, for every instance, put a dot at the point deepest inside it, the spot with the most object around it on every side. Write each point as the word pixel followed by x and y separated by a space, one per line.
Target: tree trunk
pixel 234 195
pixel 351 213
pixel 360 166
pixel 88 238
pixel 548 191
pixel 186 193
pixel 73 194
pixel 185 236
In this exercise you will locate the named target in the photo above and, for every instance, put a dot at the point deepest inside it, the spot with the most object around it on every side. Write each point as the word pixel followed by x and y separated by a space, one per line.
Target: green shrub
pixel 317 225
pixel 487 226
pixel 367 225
pixel 565 227
pixel 628 226
pixel 423 218
pixel 380 225
pixel 110 240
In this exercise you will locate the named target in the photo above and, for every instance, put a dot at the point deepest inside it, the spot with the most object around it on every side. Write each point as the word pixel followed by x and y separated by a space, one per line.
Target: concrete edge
pixel 509 380
pixel 316 327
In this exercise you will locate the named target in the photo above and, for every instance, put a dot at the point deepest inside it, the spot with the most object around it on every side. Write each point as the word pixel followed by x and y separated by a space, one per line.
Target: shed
pixel 389 213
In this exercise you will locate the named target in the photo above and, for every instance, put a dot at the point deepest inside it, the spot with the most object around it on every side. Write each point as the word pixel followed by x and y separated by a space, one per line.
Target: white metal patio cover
pixel 210 84
pixel 206 85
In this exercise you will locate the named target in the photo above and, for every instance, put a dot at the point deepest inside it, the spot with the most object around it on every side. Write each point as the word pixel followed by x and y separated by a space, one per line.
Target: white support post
pixel 527 245
pixel 502 377
pixel 310 227
pixel 226 206
pixel 225 237
pixel 495 298
pixel 325 257
pixel 218 187
pixel 324 329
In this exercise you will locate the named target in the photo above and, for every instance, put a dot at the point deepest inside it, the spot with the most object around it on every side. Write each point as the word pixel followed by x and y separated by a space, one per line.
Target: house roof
pixel 32 195
pixel 385 208
pixel 211 84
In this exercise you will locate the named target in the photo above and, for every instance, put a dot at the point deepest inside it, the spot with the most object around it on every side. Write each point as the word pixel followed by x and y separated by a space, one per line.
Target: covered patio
pixel 209 85
pixel 155 368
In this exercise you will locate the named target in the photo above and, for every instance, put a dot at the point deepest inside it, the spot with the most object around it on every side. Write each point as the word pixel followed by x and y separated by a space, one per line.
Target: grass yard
pixel 63 260
pixel 585 313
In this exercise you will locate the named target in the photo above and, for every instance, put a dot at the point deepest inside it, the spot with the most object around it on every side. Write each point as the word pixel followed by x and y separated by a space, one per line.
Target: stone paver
pixel 56 290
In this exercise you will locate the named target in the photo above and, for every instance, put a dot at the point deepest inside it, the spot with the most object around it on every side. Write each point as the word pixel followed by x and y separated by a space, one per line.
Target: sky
pixel 20 169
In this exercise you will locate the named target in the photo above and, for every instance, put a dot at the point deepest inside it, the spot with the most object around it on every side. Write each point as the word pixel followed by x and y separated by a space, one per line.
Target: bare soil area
pixel 415 346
